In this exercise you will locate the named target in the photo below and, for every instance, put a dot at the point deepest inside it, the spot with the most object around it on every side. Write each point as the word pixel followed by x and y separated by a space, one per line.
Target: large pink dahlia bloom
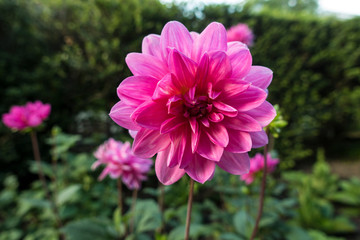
pixel 30 115
pixel 257 165
pixel 242 33
pixel 120 161
pixel 196 101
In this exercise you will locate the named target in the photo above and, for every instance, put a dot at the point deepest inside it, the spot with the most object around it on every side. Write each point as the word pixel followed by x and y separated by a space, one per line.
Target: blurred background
pixel 70 53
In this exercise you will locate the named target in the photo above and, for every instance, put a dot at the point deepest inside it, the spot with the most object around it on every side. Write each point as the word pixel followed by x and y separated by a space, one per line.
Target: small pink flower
pixel 120 161
pixel 196 101
pixel 241 33
pixel 27 116
pixel 257 165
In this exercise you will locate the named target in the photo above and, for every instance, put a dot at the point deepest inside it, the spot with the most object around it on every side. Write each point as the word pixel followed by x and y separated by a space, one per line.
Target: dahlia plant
pixel 121 163
pixel 196 101
pixel 27 116
pixel 257 164
pixel 242 33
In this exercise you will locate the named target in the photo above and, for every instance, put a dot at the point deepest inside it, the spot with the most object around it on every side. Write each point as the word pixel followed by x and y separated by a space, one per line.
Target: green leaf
pixel 118 223
pixel 147 216
pixel 67 194
pixel 244 223
pixel 196 230
pixel 297 233
pixel 230 236
pixel 86 229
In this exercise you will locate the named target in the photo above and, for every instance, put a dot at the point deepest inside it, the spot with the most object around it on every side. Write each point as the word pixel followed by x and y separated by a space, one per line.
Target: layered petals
pixel 149 142
pixel 196 101
pixel 28 116
pixel 165 174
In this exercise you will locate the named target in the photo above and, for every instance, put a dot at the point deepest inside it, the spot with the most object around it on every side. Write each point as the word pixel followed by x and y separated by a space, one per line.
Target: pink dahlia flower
pixel 27 116
pixel 120 161
pixel 241 33
pixel 257 165
pixel 196 101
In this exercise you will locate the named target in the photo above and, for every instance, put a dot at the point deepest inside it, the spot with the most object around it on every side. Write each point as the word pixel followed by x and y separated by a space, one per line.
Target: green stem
pixel 119 188
pixel 134 197
pixel 262 194
pixel 188 215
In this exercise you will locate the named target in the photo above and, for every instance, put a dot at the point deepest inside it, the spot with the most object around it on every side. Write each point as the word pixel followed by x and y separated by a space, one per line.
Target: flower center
pixel 198 107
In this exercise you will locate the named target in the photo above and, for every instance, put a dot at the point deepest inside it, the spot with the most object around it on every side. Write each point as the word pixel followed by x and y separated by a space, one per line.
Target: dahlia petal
pixel 172 124
pixel 194 35
pixel 151 45
pixel 176 151
pixel 120 113
pixel 239 142
pixel 148 142
pixel 240 58
pixel 175 35
pixel 219 66
pixel 259 139
pixel 194 124
pixel 205 122
pixel 200 169
pixel 175 105
pixel 103 174
pixel 208 149
pixel 213 38
pixel 231 87
pixel 188 155
pixel 146 65
pixel 235 163
pixel 247 100
pixel 259 76
pixel 136 89
pixel 224 108
pixel 218 134
pixel 133 133
pixel 165 174
pixel 264 113
pixel 165 87
pixel 150 114
pixel 202 73
pixel 243 122
pixel 216 117
pixel 183 68
pixel 195 137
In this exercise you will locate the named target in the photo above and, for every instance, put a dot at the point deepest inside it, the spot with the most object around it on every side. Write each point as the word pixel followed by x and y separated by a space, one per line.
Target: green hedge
pixel 71 54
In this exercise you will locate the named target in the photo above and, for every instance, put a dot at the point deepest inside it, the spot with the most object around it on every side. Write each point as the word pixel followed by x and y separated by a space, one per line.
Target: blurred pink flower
pixel 257 165
pixel 29 115
pixel 195 101
pixel 242 33
pixel 120 161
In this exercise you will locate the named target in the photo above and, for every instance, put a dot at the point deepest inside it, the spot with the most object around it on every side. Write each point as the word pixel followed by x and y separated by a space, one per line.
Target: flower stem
pixel 36 151
pixel 119 189
pixel 134 197
pixel 188 215
pixel 262 194
pixel 161 206
pixel 35 146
